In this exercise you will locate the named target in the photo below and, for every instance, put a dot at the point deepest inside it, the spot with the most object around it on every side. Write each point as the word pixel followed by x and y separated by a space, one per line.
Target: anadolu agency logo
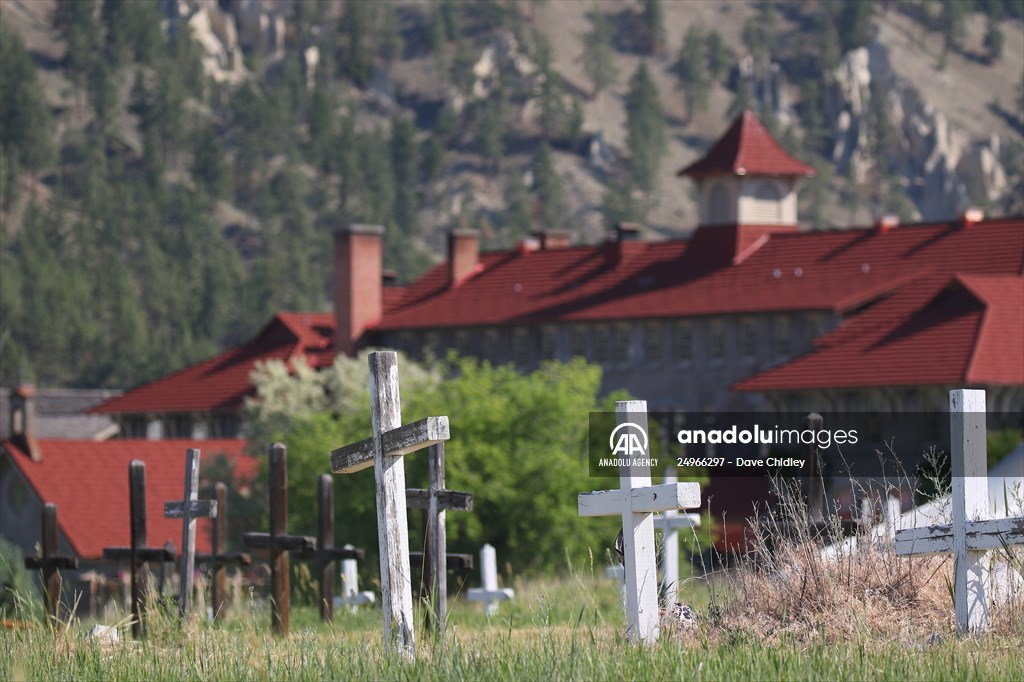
pixel 628 445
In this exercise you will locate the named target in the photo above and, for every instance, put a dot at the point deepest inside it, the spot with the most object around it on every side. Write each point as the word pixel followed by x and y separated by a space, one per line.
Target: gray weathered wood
pixel 51 561
pixel 189 510
pixel 447 500
pixel 642 500
pixel 456 562
pixel 397 442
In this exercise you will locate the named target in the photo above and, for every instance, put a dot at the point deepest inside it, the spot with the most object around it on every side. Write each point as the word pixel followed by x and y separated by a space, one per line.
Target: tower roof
pixel 747 148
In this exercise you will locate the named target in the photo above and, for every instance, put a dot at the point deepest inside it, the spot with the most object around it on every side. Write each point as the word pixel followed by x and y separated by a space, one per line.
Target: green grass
pixel 568 629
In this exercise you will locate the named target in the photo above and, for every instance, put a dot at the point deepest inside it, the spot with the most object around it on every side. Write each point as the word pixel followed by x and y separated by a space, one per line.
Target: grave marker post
pixel 189 510
pixel 51 561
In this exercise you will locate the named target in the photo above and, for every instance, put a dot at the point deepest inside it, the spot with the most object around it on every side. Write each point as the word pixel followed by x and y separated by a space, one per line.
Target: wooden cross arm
pixel 448 500
pixel 653 498
pixel 296 543
pixel 456 562
pixel 144 554
pixel 198 508
pixel 981 536
pixel 38 562
pixel 346 552
pixel 241 558
pixel 401 441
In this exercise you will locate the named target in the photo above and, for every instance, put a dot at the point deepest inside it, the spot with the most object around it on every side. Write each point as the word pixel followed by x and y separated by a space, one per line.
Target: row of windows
pixel 651 341
pixel 180 425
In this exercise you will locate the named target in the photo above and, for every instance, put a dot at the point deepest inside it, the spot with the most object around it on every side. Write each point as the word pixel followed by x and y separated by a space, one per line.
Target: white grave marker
pixel 636 501
pixel 490 594
pixel 385 452
pixel 971 534
pixel 350 594
pixel 670 522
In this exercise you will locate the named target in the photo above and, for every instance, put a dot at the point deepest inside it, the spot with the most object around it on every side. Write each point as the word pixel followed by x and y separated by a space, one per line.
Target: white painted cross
pixel 636 501
pixel 670 522
pixel 350 594
pixel 385 452
pixel 971 534
pixel 490 594
pixel 188 510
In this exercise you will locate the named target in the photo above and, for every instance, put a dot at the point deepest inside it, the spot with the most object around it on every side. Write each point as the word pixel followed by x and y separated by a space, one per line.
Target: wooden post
pixel 385 451
pixel 971 534
pixel 138 554
pixel 189 509
pixel 815 481
pixel 635 501
pixel 51 561
pixel 325 541
pixel 220 557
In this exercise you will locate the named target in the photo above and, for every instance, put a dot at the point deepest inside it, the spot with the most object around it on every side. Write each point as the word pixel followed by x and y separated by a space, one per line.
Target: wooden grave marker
pixel 220 558
pixel 490 594
pixel 138 554
pixel 51 561
pixel 636 501
pixel 278 541
pixel 385 452
pixel 971 534
pixel 435 501
pixel 189 509
pixel 326 554
pixel 350 594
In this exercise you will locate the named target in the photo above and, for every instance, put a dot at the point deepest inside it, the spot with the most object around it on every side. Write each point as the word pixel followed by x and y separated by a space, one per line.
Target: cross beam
pixel 385 451
pixel 189 509
pixel 635 501
pixel 972 533
pixel 220 558
pixel 51 561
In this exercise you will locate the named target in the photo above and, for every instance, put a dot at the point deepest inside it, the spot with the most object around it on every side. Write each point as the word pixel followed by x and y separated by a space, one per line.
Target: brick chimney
pixel 23 417
pixel 463 255
pixel 358 283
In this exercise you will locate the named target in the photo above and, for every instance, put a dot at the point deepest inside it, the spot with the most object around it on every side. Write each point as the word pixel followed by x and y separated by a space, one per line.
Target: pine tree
pixel 598 57
pixel 854 23
pixel 994 41
pixel 720 57
pixel 646 132
pixel 491 134
pixel 356 29
pixel 26 126
pixel 691 70
pixel 403 169
pixel 547 187
pixel 654 24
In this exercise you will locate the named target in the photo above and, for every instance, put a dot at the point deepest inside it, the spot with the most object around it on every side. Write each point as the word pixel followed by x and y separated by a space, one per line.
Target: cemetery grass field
pixel 568 629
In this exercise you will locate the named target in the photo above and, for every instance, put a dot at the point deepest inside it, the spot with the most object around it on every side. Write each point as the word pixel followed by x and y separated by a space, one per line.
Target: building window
pixel 463 342
pixel 767 204
pixel 178 426
pixel 748 338
pixel 683 341
pixel 521 354
pixel 601 342
pixel 782 336
pixel 719 209
pixel 548 342
pixel 620 343
pixel 431 344
pixel 578 340
pixel 716 339
pixel 224 426
pixel 405 341
pixel 652 341
pixel 133 426
pixel 491 349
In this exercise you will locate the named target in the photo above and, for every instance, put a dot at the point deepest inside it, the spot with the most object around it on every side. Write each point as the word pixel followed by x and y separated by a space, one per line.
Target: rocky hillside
pixel 218 142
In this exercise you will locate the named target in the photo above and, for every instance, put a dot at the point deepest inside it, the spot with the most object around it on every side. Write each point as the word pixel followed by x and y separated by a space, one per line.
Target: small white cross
pixel 188 510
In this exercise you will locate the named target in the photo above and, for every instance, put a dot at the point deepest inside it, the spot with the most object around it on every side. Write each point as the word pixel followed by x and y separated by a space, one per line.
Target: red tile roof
pixel 829 271
pixel 222 382
pixel 88 481
pixel 747 148
pixel 937 330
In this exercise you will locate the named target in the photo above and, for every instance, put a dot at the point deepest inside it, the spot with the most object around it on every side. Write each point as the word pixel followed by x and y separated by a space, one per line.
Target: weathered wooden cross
pixel 51 561
pixel 490 594
pixel 670 522
pixel 220 558
pixel 326 553
pixel 384 451
pixel 138 554
pixel 278 541
pixel 972 533
pixel 189 509
pixel 636 501
pixel 435 501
